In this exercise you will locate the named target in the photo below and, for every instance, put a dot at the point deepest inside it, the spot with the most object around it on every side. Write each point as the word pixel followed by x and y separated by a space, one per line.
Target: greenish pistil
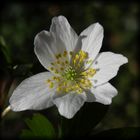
pixel 70 74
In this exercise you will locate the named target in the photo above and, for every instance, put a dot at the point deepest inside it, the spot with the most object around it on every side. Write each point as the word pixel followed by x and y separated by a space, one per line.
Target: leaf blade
pixel 39 126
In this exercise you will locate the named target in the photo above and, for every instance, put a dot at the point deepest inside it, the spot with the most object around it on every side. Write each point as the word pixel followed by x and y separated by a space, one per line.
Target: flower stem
pixel 6 110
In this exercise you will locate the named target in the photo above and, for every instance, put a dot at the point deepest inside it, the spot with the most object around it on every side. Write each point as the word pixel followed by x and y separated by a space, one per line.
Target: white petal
pixel 32 94
pixel 69 104
pixel 60 38
pixel 47 47
pixel 107 65
pixel 102 94
pixel 63 32
pixel 92 40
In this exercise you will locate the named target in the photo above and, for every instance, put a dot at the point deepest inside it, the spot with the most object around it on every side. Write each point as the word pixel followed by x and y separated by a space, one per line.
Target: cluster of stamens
pixel 71 75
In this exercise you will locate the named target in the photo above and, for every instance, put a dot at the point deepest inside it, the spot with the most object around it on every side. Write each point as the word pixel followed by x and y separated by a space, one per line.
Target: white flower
pixel 78 72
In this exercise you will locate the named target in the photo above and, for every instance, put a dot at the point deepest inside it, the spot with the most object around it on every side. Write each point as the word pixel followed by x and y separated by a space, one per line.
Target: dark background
pixel 21 21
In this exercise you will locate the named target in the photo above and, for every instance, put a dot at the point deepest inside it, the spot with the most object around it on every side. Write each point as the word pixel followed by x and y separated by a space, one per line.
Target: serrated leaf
pixel 39 126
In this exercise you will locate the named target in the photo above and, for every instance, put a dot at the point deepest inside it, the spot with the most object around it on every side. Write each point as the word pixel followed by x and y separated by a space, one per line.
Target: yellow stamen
pixel 58 62
pixel 51 85
pixel 61 68
pixel 48 81
pixel 66 62
pixel 58 56
pixel 65 53
pixel 51 68
pixel 62 63
pixel 56 71
pixel 58 88
pixel 73 76
pixel 52 63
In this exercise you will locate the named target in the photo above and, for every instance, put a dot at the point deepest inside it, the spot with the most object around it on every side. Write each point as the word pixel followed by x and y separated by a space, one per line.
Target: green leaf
pixel 39 127
pixel 125 133
pixel 27 134
pixel 84 121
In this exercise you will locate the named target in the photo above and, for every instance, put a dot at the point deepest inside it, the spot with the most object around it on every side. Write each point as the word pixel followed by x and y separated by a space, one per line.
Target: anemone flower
pixel 78 73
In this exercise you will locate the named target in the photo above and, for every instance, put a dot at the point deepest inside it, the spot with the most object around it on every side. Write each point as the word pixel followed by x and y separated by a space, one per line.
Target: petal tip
pixel 40 34
pixel 124 59
pixel 61 17
pixel 99 25
pixel 67 116
pixel 58 18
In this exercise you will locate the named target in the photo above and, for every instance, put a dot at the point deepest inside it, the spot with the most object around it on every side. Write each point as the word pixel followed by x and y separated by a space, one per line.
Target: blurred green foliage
pixel 20 22
pixel 39 127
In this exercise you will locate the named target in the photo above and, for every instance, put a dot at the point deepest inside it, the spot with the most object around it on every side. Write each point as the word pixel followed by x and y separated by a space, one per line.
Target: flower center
pixel 70 73
pixel 72 76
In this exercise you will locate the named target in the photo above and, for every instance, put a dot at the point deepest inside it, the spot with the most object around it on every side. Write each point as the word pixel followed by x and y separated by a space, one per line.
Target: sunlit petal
pixel 33 93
